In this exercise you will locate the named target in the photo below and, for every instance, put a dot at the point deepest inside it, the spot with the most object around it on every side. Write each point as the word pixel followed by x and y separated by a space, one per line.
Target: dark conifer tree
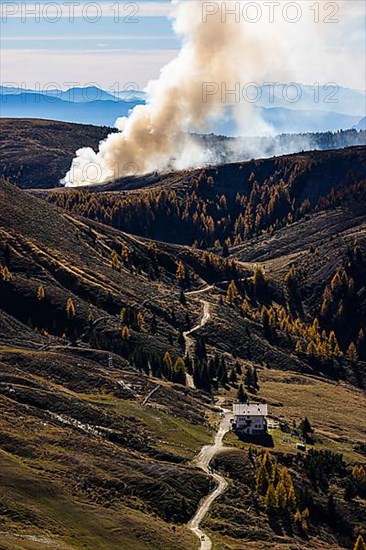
pixel 255 379
pixel 189 364
pixel 182 298
pixel 181 340
pixel 241 395
pixel 233 378
pixel 248 378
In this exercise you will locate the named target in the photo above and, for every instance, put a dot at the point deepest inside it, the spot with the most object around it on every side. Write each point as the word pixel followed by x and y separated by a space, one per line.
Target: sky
pixel 78 43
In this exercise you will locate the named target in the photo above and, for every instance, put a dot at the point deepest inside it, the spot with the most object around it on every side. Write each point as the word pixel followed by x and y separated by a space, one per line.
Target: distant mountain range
pixel 293 121
pixel 91 105
pixel 32 105
pixel 327 97
pixel 87 94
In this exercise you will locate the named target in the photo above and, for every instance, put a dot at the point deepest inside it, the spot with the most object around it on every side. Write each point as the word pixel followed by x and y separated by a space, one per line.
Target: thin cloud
pixel 87 37
pixel 28 68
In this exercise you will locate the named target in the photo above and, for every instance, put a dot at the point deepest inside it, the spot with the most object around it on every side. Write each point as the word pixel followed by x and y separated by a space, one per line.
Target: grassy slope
pixel 334 409
pixel 314 173
pixel 316 245
pixel 69 456
pixel 239 519
pixel 46 509
pixel 38 153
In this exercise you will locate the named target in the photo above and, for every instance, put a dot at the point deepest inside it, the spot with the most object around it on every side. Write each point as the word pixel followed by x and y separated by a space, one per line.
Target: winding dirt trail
pixel 203 460
pixel 208 452
pixel 189 342
pixel 200 290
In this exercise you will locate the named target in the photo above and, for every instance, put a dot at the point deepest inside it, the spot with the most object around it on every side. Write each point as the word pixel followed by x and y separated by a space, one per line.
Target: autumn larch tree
pixel 181 274
pixel 352 352
pixel 168 365
pixel 270 499
pixel 41 293
pixel 262 480
pixel 140 320
pixel 291 281
pixel 125 332
pixel 359 544
pixel 281 496
pixel 115 262
pixel 6 275
pixel 232 293
pixel 70 309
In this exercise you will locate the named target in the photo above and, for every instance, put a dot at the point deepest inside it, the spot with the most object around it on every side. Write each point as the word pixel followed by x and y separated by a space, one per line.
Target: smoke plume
pixel 193 91
pixel 154 136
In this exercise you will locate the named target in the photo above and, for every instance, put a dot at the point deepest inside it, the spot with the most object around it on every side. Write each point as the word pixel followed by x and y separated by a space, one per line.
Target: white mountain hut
pixel 250 418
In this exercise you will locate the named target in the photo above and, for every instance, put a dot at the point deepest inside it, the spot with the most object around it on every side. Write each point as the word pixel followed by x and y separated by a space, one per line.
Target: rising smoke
pixel 216 50
pixel 154 136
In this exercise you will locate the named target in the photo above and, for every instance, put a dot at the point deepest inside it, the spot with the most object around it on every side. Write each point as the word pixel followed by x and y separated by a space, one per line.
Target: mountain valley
pixel 131 312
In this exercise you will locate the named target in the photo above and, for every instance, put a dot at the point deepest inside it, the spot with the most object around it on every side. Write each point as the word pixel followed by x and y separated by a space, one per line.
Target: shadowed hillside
pixel 37 153
pixel 302 212
pixel 223 204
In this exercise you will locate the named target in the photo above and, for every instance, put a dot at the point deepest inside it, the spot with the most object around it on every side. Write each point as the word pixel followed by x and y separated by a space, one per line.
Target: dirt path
pixel 207 452
pixel 200 290
pixel 203 461
pixel 150 394
pixel 189 342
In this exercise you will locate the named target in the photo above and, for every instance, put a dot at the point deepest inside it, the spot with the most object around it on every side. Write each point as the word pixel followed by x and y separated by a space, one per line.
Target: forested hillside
pixel 245 207
pixel 226 205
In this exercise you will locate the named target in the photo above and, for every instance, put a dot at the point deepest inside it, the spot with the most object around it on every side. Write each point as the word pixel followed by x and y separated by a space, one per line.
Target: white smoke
pixel 154 136
pixel 189 94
